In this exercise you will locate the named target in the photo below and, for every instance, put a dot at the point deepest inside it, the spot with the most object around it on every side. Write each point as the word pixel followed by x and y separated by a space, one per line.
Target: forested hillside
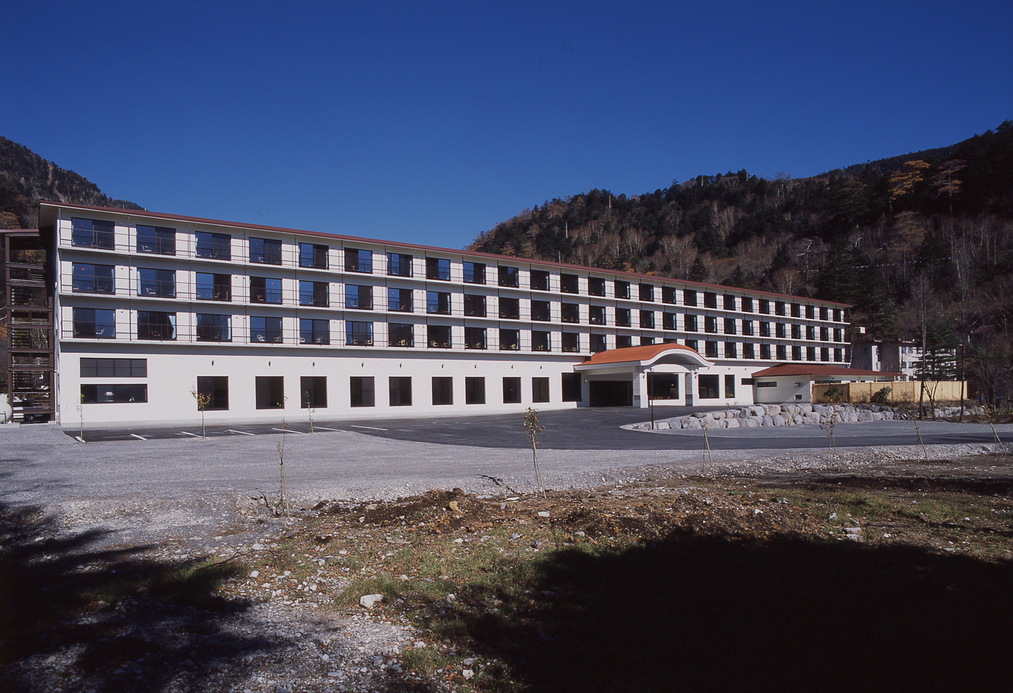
pixel 26 178
pixel 920 244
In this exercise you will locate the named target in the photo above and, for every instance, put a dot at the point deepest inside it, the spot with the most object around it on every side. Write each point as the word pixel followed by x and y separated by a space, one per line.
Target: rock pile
pixel 775 415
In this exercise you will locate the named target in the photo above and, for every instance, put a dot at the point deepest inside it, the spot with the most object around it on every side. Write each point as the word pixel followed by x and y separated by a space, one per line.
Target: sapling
pixel 710 457
pixel 203 402
pixel 281 463
pixel 532 427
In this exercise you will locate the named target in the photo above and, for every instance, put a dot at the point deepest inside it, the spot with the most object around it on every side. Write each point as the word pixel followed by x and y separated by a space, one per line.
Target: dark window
pixel 212 392
pixel 313 255
pixel 153 324
pixel 730 326
pixel 624 317
pixel 571 342
pixel 824 354
pixel 358 333
pixel 156 282
pixel 438 302
pixel 571 387
pixel 438 268
pixel 569 283
pixel 314 293
pixel 748 350
pixel 810 353
pixel 765 351
pixel 400 300
pixel 474 390
pixel 810 312
pixel 689 297
pixel 731 350
pixel 709 386
pixel 314 331
pixel 667 294
pixel 663 386
pixel 214 246
pixel 779 308
pixel 360 391
pixel 265 329
pixel 443 390
pixel 511 390
pixel 729 302
pixel 824 334
pixel 838 335
pixel 270 392
pixel 92 233
pixel 710 324
pixel 596 315
pixel 358 297
pixel 597 343
pixel 313 392
pixel 711 349
pixel 623 341
pixel 214 287
pixel 765 306
pixel 596 286
pixel 838 354
pixel 796 353
pixel 764 329
pixel 539 389
pixel 692 323
pixel 400 334
pixel 399 265
pixel 796 310
pixel 474 272
pixel 570 312
pixel 509 340
pixel 710 299
pixel 646 292
pixel 622 288
pixel 509 276
pixel 747 327
pixel 509 308
pixel 646 340
pixel 113 394
pixel 94 279
pixel 265 251
pixel 399 389
pixel 94 323
pixel 214 328
pixel 810 333
pixel 540 341
pixel 780 330
pixel 730 386
pixel 540 311
pixel 796 332
pixel 474 306
pixel 159 240
pixel 265 290
pixel 782 352
pixel 474 338
pixel 539 280
pixel 114 368
pixel 668 321
pixel 647 318
pixel 747 305
pixel 438 336
pixel 838 316
pixel 358 260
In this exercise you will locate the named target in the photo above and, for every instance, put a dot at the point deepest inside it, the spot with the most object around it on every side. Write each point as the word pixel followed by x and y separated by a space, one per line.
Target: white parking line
pixel 138 437
pixel 242 433
pixel 371 428
pixel 324 428
pixel 187 433
pixel 287 430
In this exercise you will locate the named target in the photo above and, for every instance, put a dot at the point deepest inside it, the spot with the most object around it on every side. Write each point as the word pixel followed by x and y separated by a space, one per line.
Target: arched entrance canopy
pixel 640 357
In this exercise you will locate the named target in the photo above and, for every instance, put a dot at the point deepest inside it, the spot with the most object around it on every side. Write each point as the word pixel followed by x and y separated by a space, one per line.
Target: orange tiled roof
pixel 646 352
pixel 789 369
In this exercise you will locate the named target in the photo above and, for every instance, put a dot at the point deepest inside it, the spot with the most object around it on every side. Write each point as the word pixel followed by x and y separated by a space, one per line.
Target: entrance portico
pixel 633 376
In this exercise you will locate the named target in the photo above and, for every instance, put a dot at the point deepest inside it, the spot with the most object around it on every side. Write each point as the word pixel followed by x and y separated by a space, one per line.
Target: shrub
pixel 882 396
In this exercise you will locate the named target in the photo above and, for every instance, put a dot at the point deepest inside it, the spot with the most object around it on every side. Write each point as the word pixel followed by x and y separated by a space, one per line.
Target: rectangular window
pixel 361 391
pixel 213 287
pixel 313 293
pixel 113 394
pixel 782 352
pixel 511 390
pixel 663 386
pixel 400 300
pixel 824 334
pixel 214 328
pixel 748 350
pixel 595 286
pixel 438 303
pixel 796 332
pixel 539 280
pixel 313 392
pixel 214 246
pixel 443 391
pixel 358 260
pixel 358 333
pixel 114 368
pixel 810 333
pixel 623 341
pixel 780 308
pixel 474 272
pixel 668 321
pixel 646 292
pixel 93 233
pixel 622 288
pixel 400 334
pixel 709 386
pixel 540 311
pixel 399 389
pixel 540 341
pixel 474 338
pixel 730 386
pixel 265 251
pixel 94 323
pixel 747 305
pixel 764 329
pixel 509 308
pixel 571 387
pixel 570 312
pixel 729 302
pixel 810 312
pixel 539 389
pixel 571 342
pixel 474 390
pixel 438 268
pixel 647 318
pixel 747 327
pixel 710 324
pixel 796 310
pixel 692 324
pixel 810 353
pixel 796 353
pixel 765 306
pixel 765 351
pixel 265 290
pixel 711 349
pixel 153 324
pixel 313 255
pixel 689 297
pixel 399 265
pixel 569 283
pixel 509 276
pixel 270 392
pixel 93 279
pixel 159 240
pixel 265 330
pixel 474 306
pixel 438 336
pixel 624 317
pixel 598 343
pixel 693 344
pixel 780 330
pixel 509 340
pixel 667 295
pixel 314 331
pixel 710 299
pixel 358 297
pixel 731 350
pixel 156 282
pixel 212 393
pixel 596 315
pixel 730 326
pixel 646 340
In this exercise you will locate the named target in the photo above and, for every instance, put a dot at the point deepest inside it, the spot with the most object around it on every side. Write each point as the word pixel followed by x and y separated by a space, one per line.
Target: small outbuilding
pixel 794 382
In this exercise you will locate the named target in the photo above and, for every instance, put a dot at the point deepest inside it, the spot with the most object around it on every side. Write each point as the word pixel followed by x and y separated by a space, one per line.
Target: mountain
pixel 26 178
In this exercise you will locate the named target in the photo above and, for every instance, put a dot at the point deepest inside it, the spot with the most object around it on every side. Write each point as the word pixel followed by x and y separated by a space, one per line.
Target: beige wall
pixel 901 391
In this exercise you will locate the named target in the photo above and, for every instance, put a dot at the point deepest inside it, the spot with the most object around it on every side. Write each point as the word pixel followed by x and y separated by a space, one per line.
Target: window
pixel 624 317
pixel 92 233
pixel 313 293
pixel 265 290
pixel 824 334
pixel 747 327
pixel 358 297
pixel 810 353
pixel 399 389
pixel 360 391
pixel 747 305
pixel 810 333
pixel 400 300
pixel 596 315
pixel 779 308
pixel 730 386
pixel 689 297
pixel 214 328
pixel 443 391
pixel 474 306
pixel 539 389
pixel 438 268
pixel 265 329
pixel 214 246
pixel 509 340
pixel 438 336
pixel 647 318
pixel 474 338
pixel 667 295
pixel 155 282
pixel 796 332
pixel 313 392
pixel 796 353
pixel 113 394
pixel 270 392
pixel 708 386
pixel 693 344
pixel 114 368
pixel 838 316
pixel 358 333
pixel 765 306
pixel 796 310
pixel 438 302
pixel 93 279
pixel 94 323
pixel 400 334
pixel 509 308
pixel 399 265
pixel 598 343
pixel 623 341
pixel 313 255
pixel 474 390
pixel 646 292
pixel 569 283
pixel 780 330
pixel 540 311
pixel 622 288
pixel 265 251
pixel 540 341
pixel 474 272
pixel 838 354
pixel 509 276
pixel 596 286
pixel 646 340
pixel 765 351
pixel 358 260
pixel 710 299
pixel 782 352
pixel 153 324
pixel 810 312
pixel 511 390
pixel 710 324
pixel 214 287
pixel 159 240
pixel 668 321
pixel 571 342
pixel 711 349
pixel 748 350
pixel 764 329
pixel 570 312
pixel 314 331
pixel 731 350
pixel 729 302
pixel 213 391
pixel 692 323
pixel 729 325
pixel 539 280
pixel 663 386
pixel 571 387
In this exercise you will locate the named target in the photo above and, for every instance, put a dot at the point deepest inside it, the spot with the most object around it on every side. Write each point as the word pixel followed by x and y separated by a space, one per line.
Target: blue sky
pixel 431 122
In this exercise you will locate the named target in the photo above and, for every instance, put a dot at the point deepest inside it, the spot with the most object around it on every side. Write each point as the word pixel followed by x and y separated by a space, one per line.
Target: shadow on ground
pixel 696 613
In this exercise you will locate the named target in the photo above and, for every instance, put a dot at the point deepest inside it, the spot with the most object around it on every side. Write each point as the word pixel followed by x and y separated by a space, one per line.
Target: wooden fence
pixel 900 391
